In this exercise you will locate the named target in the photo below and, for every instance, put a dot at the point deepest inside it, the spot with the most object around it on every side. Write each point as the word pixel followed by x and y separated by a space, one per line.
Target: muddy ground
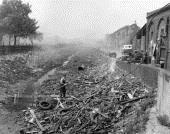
pixel 38 67
pixel 39 78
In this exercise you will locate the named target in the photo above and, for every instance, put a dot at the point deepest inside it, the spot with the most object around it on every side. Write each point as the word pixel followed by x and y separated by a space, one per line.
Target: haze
pixel 89 19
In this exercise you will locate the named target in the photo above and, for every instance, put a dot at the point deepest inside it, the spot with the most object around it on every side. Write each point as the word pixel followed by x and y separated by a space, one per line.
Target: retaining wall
pixel 163 99
pixel 147 73
pixel 153 77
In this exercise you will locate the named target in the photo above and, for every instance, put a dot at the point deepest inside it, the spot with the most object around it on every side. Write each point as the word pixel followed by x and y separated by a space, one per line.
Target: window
pixel 162 32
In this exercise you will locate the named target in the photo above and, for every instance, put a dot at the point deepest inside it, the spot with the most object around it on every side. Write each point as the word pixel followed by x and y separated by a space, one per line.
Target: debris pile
pixel 97 102
pixel 14 68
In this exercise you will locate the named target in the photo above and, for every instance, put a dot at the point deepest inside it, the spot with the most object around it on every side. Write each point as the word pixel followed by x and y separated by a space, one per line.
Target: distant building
pixel 121 37
pixel 139 40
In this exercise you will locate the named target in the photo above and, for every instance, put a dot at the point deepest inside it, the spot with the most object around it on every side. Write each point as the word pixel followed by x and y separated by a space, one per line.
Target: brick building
pixel 158 36
pixel 121 37
pixel 139 39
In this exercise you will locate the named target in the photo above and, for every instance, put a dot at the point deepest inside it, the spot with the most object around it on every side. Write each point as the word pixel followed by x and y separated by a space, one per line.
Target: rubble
pixel 81 68
pixel 97 102
pixel 14 68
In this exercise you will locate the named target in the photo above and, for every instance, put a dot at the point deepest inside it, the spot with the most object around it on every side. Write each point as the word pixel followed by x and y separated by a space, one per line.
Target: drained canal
pixel 26 98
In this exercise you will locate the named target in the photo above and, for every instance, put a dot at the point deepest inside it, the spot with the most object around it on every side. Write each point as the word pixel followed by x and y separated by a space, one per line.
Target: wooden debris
pixel 35 118
pixel 96 102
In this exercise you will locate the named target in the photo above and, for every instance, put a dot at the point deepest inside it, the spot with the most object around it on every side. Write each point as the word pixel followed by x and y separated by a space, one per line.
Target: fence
pixel 15 49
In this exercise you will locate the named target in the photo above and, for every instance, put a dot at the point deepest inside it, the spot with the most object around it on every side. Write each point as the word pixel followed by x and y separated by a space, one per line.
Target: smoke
pixel 55 47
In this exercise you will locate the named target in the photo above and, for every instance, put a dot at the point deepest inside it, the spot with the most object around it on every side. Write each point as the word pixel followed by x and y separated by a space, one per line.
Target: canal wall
pixel 147 73
pixel 155 78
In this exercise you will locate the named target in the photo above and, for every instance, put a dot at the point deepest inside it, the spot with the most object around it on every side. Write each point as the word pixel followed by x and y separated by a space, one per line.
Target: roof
pixel 122 28
pixel 141 32
pixel 166 7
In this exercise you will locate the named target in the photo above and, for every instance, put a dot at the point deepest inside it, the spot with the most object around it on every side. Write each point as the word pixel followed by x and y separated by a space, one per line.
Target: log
pixel 34 117
pixel 132 100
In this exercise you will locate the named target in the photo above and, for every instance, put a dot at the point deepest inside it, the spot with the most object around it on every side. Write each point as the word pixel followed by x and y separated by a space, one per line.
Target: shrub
pixel 164 120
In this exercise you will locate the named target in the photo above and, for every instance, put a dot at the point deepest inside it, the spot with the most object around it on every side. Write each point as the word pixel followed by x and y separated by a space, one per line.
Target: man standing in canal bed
pixel 63 87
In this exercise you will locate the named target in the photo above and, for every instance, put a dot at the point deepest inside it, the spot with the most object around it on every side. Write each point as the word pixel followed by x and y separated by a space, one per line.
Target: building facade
pixel 139 40
pixel 122 36
pixel 158 36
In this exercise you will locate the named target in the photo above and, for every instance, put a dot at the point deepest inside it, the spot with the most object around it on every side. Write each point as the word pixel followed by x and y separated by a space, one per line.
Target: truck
pixel 126 52
pixel 130 55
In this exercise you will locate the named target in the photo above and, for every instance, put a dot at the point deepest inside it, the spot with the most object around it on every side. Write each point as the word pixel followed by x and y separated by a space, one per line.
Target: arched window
pixel 151 31
pixel 161 28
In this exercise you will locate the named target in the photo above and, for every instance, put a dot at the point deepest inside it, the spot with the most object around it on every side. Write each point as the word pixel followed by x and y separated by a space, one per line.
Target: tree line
pixel 16 22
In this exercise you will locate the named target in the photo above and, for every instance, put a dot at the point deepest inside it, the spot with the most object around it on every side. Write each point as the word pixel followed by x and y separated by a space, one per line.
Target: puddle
pixel 27 97
pixel 46 76
pixel 112 65
pixel 52 72
pixel 22 101
pixel 68 60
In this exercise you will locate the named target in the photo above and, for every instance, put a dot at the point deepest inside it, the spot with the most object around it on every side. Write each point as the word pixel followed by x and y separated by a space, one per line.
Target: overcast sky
pixel 89 18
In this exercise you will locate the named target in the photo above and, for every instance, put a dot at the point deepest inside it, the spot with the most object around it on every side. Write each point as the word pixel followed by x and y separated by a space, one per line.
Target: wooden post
pixel 15 98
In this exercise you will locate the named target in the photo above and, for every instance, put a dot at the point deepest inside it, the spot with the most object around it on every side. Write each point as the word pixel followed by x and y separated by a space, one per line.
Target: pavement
pixel 153 126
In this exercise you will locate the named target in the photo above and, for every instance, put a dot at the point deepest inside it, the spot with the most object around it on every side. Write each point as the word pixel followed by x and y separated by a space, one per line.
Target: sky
pixel 89 18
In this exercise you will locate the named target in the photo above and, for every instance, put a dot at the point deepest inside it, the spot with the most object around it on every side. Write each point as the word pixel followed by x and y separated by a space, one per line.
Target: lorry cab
pixel 127 47
pixel 126 52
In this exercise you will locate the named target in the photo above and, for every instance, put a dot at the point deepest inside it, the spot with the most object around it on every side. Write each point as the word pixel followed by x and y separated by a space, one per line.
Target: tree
pixel 37 36
pixel 15 20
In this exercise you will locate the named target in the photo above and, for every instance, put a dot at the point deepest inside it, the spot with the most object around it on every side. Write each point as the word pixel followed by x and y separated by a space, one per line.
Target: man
pixel 63 87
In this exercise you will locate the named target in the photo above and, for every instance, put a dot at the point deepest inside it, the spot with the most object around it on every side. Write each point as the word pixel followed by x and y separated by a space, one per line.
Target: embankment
pixel 155 78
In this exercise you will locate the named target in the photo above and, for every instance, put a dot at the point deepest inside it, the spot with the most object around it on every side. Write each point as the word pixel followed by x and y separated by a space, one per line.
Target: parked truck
pixel 130 55
pixel 126 52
